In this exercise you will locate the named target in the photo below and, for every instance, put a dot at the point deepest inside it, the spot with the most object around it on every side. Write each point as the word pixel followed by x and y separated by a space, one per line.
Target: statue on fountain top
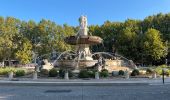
pixel 83 22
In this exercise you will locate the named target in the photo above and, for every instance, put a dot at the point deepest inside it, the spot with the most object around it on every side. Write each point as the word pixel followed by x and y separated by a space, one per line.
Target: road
pixel 145 92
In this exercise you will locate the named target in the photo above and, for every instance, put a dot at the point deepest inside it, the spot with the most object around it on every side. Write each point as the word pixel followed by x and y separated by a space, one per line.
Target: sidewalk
pixel 81 82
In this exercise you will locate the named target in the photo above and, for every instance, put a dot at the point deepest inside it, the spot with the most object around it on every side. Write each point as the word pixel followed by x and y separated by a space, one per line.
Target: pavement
pixel 126 92
pixel 82 82
pixel 84 89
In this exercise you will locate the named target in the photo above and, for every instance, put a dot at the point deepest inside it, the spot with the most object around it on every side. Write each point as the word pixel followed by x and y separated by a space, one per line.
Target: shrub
pixel 6 70
pixel 104 70
pixel 168 72
pixel 62 72
pixel 149 71
pixel 53 72
pixel 135 72
pixel 91 73
pixel 121 72
pixel 44 72
pixel 19 73
pixel 87 74
pixel 84 74
pixel 70 73
pixel 3 72
pixel 158 70
pixel 104 73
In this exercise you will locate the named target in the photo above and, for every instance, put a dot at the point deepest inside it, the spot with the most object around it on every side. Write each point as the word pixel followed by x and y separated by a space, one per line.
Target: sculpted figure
pixel 83 22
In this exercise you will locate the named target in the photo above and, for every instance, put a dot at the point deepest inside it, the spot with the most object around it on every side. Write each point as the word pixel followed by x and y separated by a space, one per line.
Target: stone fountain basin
pixel 73 63
pixel 88 63
pixel 73 40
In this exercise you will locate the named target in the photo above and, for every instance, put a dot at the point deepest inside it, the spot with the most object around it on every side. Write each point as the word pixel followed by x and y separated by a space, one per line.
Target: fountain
pixel 83 57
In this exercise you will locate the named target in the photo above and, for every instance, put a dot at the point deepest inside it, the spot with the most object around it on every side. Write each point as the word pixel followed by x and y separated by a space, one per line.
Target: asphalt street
pixel 146 92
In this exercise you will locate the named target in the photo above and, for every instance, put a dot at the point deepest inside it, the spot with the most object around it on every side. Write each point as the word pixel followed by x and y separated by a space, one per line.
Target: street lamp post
pixel 164 70
pixel 166 60
pixel 163 74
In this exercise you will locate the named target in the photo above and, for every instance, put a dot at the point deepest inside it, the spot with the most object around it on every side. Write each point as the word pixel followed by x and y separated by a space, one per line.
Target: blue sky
pixel 68 11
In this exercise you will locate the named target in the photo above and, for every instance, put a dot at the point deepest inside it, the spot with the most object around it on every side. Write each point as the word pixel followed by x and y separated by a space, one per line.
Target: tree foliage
pixel 145 40
pixel 140 40
pixel 153 45
pixel 24 52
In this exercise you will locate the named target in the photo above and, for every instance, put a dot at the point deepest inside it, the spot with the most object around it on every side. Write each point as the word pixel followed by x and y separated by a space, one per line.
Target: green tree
pixel 127 40
pixel 27 29
pixel 127 43
pixel 153 46
pixel 95 30
pixel 9 31
pixel 66 31
pixel 24 51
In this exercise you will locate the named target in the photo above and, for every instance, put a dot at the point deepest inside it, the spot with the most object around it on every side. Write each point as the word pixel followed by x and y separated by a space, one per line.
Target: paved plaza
pixel 145 92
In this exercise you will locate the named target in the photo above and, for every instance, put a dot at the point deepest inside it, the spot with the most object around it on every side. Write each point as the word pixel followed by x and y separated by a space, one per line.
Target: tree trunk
pixel 9 62
pixel 3 63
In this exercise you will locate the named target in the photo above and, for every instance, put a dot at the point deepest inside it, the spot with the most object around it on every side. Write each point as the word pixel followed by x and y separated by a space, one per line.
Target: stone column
pixel 154 75
pixel 127 74
pixel 10 75
pixel 66 77
pixel 97 75
pixel 35 76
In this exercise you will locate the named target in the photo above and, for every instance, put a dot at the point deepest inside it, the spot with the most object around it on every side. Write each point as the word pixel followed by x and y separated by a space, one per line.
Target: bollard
pixel 154 75
pixel 163 74
pixel 35 75
pixel 127 74
pixel 10 75
pixel 96 75
pixel 66 77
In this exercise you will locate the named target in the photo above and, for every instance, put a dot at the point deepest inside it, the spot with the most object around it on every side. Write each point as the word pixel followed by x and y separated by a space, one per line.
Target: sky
pixel 68 11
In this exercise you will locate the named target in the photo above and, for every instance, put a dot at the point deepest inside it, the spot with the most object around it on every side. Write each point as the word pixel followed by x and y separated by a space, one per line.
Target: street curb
pixel 25 83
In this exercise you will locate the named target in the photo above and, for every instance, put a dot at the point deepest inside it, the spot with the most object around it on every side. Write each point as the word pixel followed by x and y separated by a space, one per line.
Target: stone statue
pixel 83 22
pixel 99 64
pixel 46 65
